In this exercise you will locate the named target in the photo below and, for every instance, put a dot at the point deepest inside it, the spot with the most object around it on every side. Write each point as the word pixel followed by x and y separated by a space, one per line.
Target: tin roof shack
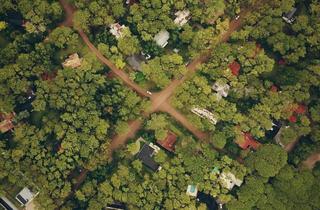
pixel 117 30
pixel 221 88
pixel 192 190
pixel 289 16
pixel 182 17
pixel 73 61
pixel 6 123
pixel 25 196
pixel 228 180
pixel 162 38
pixel 169 142
pixel 135 61
pixel 145 156
pixel 7 204
pixel 203 113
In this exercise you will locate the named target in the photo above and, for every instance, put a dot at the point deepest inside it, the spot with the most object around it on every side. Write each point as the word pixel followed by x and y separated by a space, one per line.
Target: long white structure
pixel 203 113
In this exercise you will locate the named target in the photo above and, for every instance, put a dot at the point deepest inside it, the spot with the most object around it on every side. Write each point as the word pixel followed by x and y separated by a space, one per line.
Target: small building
pixel 135 61
pixel 182 17
pixel 221 88
pixel 162 38
pixel 116 206
pixel 228 180
pixel 235 68
pixel 145 156
pixel 73 61
pixel 25 196
pixel 289 16
pixel 117 30
pixel 246 141
pixel 6 123
pixel 192 190
pixel 169 142
pixel 204 113
pixel 7 204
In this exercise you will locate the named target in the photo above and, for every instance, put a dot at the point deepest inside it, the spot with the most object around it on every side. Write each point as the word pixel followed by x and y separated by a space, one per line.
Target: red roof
pixel 292 119
pixel 169 142
pixel 282 62
pixel 235 68
pixel 274 88
pixel 48 76
pixel 301 109
pixel 247 142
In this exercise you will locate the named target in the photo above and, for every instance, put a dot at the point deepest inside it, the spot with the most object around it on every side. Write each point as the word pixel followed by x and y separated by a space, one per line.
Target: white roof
pixel 229 180
pixel 203 113
pixel 182 17
pixel 25 196
pixel 117 30
pixel 161 38
pixel 221 88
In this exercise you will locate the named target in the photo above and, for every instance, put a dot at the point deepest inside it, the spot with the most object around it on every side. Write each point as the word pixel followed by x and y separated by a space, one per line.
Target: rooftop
pixel 145 155
pixel 25 196
pixel 235 68
pixel 229 180
pixel 72 61
pixel 169 142
pixel 192 190
pixel 6 123
pixel 162 38
pixel 221 88
pixel 246 141
pixel 7 204
pixel 117 30
pixel 204 113
pixel 182 17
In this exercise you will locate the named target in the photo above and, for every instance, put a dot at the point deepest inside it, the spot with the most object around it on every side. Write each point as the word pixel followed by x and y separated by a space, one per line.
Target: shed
pixel 162 38
pixel 169 142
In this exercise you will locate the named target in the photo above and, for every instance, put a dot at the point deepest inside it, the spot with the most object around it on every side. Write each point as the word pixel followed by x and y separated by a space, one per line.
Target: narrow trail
pixel 69 10
pixel 311 161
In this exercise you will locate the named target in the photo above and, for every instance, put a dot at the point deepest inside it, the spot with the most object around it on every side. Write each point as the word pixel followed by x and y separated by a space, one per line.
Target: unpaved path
pixel 69 10
pixel 311 161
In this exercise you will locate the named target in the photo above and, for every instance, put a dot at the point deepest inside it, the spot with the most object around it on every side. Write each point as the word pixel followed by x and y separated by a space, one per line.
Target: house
pixel 203 113
pixel 182 17
pixel 228 180
pixel 169 142
pixel 192 190
pixel 6 204
pixel 25 196
pixel 288 17
pixel 135 61
pixel 235 68
pixel 116 206
pixel 246 141
pixel 117 30
pixel 6 123
pixel 221 88
pixel 162 38
pixel 73 61
pixel 145 156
